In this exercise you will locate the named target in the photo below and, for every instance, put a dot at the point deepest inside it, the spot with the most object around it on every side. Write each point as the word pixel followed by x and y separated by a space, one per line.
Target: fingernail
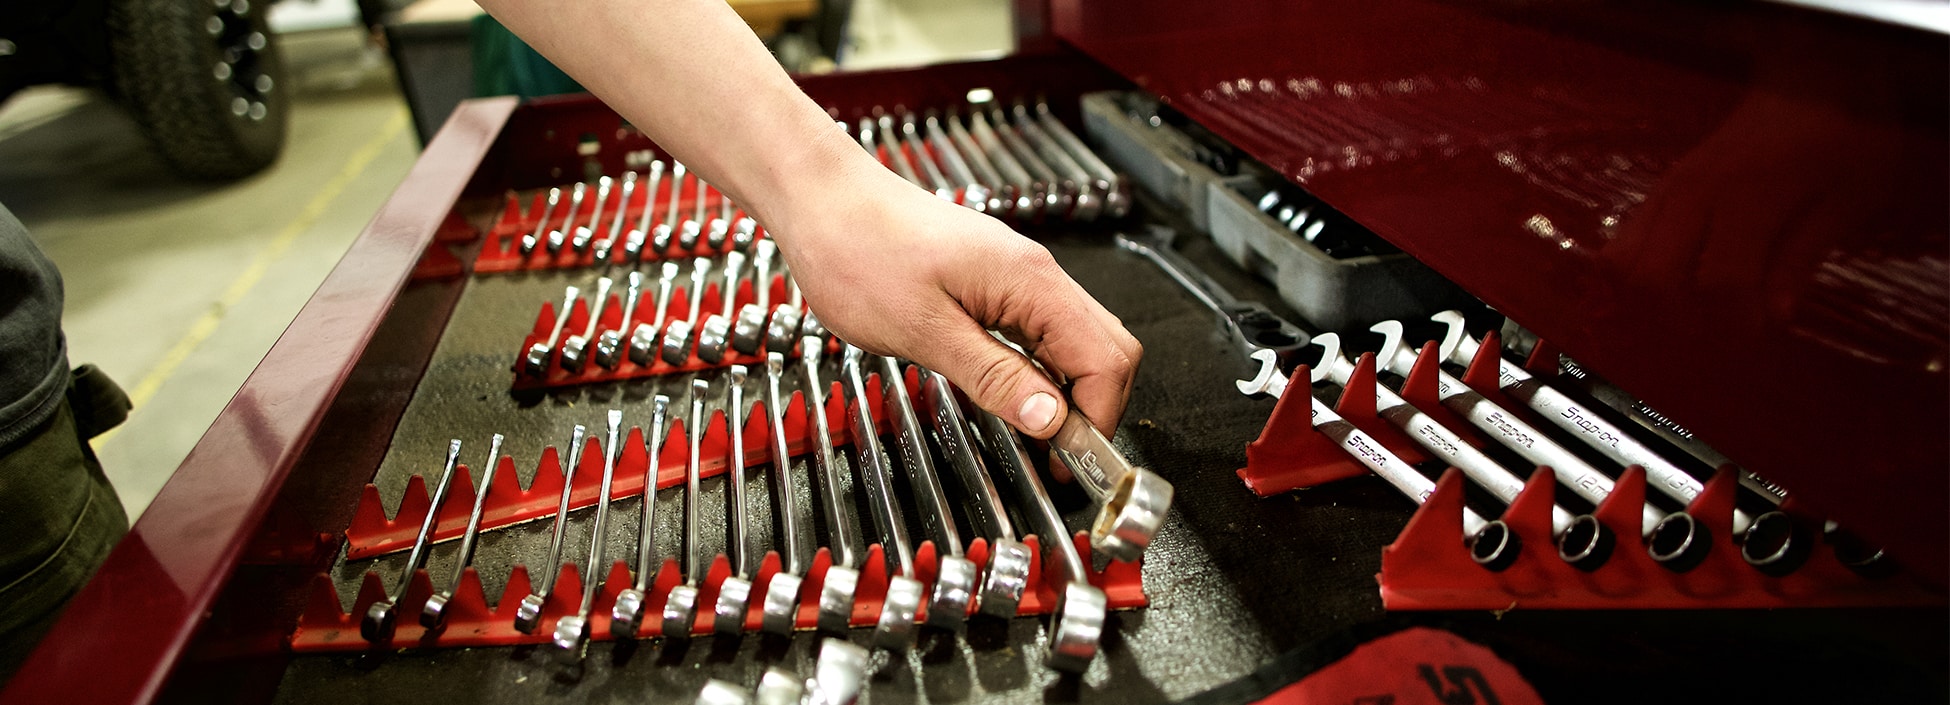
pixel 1037 411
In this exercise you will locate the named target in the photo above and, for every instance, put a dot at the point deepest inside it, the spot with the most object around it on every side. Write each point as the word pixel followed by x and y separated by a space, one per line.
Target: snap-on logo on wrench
pixel 1592 429
pixel 1088 463
pixel 1503 426
pixel 1441 444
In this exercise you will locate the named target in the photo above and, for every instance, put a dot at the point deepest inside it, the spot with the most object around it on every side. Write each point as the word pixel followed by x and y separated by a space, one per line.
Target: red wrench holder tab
pixel 1428 567
pixel 323 626
pixel 626 368
pixel 502 251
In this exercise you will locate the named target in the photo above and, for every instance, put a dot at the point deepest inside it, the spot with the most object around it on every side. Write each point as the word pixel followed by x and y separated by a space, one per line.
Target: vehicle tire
pixel 204 81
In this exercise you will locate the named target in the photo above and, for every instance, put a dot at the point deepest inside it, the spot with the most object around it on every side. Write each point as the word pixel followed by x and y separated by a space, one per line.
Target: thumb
pixel 999 379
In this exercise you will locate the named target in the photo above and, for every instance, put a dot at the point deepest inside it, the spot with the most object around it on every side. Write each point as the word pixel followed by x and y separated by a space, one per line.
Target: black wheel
pixel 203 79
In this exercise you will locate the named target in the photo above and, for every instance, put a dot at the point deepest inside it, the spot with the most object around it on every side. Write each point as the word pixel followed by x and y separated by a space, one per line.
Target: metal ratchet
pixel 1250 324
pixel 626 618
pixel 435 612
pixel 382 616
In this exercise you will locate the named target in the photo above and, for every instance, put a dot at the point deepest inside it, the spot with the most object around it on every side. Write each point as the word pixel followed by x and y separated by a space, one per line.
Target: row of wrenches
pixel 1019 163
pixel 978 446
pixel 674 235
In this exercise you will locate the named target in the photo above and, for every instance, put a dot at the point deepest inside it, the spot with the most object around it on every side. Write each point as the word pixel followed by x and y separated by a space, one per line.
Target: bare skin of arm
pixel 887 266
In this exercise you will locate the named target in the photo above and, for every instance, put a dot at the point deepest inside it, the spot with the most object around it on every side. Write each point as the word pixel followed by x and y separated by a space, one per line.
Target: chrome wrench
pixel 911 137
pixel 680 609
pixel 665 233
pixel 1073 178
pixel 735 594
pixel 633 243
pixel 556 237
pixel 1004 198
pixel 748 334
pixel 609 347
pixel 843 576
pixel 714 338
pixel 1008 570
pixel 435 612
pixel 572 631
pixel 895 629
pixel 531 240
pixel 1077 625
pixel 604 245
pixel 536 362
pixel 974 193
pixel 528 614
pixel 643 341
pixel 677 334
pixel 1250 324
pixel 626 618
pixel 574 349
pixel 1117 192
pixel 782 595
pixel 382 616
pixel 955 575
pixel 587 233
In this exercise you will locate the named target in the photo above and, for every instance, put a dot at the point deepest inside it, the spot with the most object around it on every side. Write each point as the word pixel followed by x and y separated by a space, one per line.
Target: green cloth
pixel 505 65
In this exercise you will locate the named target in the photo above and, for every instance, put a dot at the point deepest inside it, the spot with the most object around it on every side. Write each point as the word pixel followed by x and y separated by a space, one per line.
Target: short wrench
pixel 782 595
pixel 1008 570
pixel 435 612
pixel 382 616
pixel 1131 501
pixel 680 609
pixel 609 347
pixel 1669 541
pixel 572 631
pixel 1089 201
pixel 558 236
pixel 677 334
pixel 604 245
pixel 529 241
pixel 1491 543
pixel 714 338
pixel 575 349
pixel 666 232
pixel 1250 324
pixel 587 233
pixel 735 594
pixel 693 230
pixel 529 613
pixel 1117 192
pixel 633 243
pixel 955 575
pixel 911 137
pixel 536 362
pixel 974 193
pixel 1077 625
pixel 748 334
pixel 626 618
pixel 643 340
pixel 895 629
pixel 843 576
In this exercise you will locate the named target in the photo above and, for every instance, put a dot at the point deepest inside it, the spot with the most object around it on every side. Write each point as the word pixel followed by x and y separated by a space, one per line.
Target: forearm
pixel 702 85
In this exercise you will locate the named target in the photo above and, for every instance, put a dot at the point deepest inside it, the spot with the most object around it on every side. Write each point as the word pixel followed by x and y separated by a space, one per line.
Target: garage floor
pixel 178 288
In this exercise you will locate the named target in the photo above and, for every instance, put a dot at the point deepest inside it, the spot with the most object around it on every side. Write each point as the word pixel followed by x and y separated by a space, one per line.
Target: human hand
pixel 901 272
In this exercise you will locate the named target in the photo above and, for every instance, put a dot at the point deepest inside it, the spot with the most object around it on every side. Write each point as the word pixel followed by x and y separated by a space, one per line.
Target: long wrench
pixel 1073 178
pixel 895 629
pixel 643 342
pixel 1008 569
pixel 974 193
pixel 735 594
pixel 382 616
pixel 714 338
pixel 955 576
pixel 572 631
pixel 633 243
pixel 575 348
pixel 1250 324
pixel 604 245
pixel 531 240
pixel 536 362
pixel 748 334
pixel 609 347
pixel 1077 625
pixel 557 237
pixel 529 613
pixel 843 576
pixel 911 137
pixel 587 233
pixel 680 610
pixel 435 612
pixel 677 334
pixel 1030 199
pixel 626 618
pixel 1117 192
pixel 1057 199
pixel 782 595
pixel 1005 199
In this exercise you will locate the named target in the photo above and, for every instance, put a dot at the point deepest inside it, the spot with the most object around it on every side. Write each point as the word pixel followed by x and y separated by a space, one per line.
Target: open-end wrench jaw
pixel 1076 627
pixel 1007 578
pixel 1452 337
pixel 1269 380
pixel 1392 355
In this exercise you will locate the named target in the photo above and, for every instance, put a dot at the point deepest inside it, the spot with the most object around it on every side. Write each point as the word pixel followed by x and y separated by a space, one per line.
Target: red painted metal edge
pixel 122 634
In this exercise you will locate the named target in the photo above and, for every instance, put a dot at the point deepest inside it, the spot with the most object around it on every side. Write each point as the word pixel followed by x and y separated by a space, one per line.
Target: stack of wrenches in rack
pixel 1019 163
pixel 563 226
pixel 980 450
pixel 1674 539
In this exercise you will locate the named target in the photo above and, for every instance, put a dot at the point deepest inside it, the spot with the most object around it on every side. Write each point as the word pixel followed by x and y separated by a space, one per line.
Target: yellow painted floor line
pixel 206 324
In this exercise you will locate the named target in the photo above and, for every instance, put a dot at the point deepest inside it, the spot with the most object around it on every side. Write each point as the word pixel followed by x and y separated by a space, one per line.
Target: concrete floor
pixel 178 288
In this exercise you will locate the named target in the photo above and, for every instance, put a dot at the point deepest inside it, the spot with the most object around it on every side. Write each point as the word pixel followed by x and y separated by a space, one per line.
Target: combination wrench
pixel 1491 543
pixel 895 629
pixel 782 594
pixel 1004 199
pixel 1074 179
pixel 536 361
pixel 1008 570
pixel 605 245
pixel 528 614
pixel 677 334
pixel 1250 324
pixel 665 234
pixel 911 137
pixel 633 243
pixel 572 631
pixel 1117 192
pixel 714 338
pixel 843 576
pixel 626 618
pixel 531 240
pixel 693 229
pixel 575 349
pixel 609 346
pixel 1030 197
pixel 382 616
pixel 680 608
pixel 643 341
pixel 955 576
pixel 974 193
pixel 435 612
pixel 557 236
pixel 1077 624
pixel 735 594
pixel 1058 198
pixel 748 334
pixel 587 233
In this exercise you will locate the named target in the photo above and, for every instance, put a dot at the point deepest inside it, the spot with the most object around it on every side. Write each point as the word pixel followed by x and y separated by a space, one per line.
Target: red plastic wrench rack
pixel 502 252
pixel 1428 566
pixel 626 368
